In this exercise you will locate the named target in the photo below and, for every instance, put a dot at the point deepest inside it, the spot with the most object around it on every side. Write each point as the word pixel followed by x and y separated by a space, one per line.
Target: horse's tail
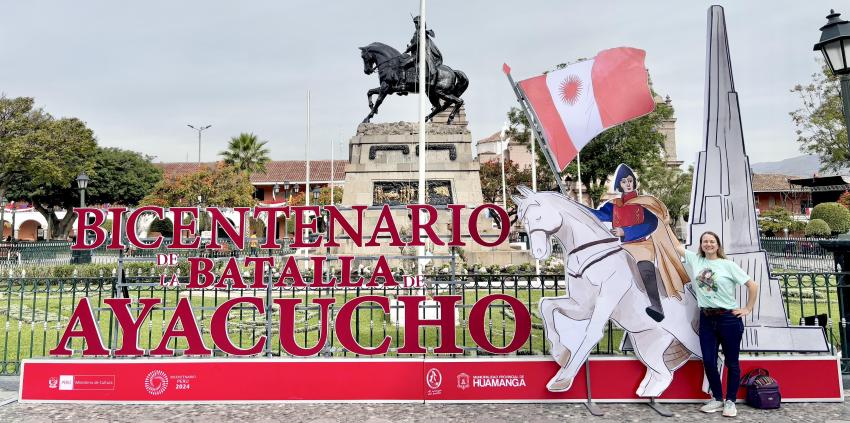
pixel 462 83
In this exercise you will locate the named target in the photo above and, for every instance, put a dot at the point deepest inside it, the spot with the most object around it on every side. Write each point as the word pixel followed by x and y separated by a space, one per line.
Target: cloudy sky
pixel 138 72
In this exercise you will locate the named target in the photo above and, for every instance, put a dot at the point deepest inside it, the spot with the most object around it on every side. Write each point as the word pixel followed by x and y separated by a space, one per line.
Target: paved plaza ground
pixel 363 413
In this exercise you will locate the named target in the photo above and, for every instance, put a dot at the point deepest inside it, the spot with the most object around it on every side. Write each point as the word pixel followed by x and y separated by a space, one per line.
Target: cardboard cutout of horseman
pixel 642 224
pixel 605 282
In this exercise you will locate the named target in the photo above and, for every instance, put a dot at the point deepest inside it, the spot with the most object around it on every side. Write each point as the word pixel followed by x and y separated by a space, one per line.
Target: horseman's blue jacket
pixel 637 232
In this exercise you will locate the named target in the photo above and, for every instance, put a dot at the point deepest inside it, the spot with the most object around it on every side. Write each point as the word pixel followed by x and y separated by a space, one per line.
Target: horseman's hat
pixel 623 170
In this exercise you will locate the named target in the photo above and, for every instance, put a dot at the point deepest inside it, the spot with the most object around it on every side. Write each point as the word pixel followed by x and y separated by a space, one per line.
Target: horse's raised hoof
pixel 559 383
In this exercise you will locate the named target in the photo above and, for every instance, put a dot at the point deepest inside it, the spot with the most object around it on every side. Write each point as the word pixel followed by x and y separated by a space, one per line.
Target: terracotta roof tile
pixel 492 138
pixel 772 182
pixel 276 171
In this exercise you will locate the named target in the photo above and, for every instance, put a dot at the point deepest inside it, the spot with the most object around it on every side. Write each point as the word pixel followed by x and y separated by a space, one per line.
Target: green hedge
pixel 835 215
pixel 817 227
pixel 165 227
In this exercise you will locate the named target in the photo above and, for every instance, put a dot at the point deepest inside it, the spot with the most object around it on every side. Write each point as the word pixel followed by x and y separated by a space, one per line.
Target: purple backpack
pixel 762 390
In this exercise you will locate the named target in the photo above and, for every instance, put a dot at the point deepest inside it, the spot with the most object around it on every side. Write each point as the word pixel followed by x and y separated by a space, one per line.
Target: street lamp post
pixel 834 44
pixel 275 190
pixel 82 256
pixel 199 129
pixel 316 193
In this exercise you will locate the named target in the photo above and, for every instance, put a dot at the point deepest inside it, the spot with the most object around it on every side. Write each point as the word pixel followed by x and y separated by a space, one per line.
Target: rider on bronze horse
pixel 397 74
pixel 433 56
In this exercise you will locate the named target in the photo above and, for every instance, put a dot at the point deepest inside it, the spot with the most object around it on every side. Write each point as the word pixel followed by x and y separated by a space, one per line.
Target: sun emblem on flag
pixel 570 89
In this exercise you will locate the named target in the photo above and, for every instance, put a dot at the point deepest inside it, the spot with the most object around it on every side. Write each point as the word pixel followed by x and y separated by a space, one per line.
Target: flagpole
pixel 420 251
pixel 333 165
pixel 534 188
pixel 536 127
pixel 578 165
pixel 307 178
pixel 533 164
pixel 307 154
pixel 503 144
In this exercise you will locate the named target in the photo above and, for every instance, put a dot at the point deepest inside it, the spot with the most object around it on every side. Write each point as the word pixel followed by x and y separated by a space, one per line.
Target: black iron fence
pixel 54 253
pixel 35 311
pixel 797 254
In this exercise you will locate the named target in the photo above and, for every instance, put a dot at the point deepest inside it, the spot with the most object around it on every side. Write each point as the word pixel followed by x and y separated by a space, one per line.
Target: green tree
pixel 520 134
pixel 246 153
pixel 776 220
pixel 835 215
pixel 20 122
pixel 325 195
pixel 40 158
pixel 491 182
pixel 671 185
pixel 121 176
pixel 164 226
pixel 820 120
pixel 817 227
pixel 217 185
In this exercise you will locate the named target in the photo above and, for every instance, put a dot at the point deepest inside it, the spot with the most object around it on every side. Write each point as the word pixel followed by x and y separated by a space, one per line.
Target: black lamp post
pixel 275 190
pixel 316 192
pixel 835 45
pixel 82 256
pixel 82 184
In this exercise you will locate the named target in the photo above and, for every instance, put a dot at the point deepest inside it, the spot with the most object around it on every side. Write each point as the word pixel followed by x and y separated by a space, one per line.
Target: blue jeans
pixel 724 330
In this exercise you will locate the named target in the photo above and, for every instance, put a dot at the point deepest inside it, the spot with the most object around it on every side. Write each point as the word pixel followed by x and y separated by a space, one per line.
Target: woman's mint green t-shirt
pixel 714 281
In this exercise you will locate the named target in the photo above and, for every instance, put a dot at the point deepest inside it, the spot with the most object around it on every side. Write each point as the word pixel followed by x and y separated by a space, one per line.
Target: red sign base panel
pixel 613 379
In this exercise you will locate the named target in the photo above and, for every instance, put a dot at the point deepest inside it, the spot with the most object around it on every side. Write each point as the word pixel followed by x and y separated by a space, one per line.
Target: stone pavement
pixel 363 413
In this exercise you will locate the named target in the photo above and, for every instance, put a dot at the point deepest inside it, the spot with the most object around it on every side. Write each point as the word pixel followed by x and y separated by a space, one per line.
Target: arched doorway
pixel 30 230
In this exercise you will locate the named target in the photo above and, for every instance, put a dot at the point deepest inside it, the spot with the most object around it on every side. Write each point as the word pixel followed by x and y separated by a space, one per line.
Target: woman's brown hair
pixel 720 252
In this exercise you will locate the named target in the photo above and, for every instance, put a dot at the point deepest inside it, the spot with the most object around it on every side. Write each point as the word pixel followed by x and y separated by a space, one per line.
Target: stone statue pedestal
pixel 384 169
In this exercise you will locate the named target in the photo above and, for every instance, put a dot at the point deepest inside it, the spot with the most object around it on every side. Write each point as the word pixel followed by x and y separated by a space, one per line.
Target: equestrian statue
pixel 398 74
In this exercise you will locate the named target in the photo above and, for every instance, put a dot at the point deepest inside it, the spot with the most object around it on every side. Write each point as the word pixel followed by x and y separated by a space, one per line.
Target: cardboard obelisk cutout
pixel 722 202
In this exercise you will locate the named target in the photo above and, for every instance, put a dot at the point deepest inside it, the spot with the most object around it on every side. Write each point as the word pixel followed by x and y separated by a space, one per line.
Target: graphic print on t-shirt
pixel 707 279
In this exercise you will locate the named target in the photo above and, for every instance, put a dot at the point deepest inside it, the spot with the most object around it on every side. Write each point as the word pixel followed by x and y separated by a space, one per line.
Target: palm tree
pixel 246 153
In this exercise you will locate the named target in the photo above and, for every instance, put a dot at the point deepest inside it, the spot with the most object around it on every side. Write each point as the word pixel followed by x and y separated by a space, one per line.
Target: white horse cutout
pixel 603 282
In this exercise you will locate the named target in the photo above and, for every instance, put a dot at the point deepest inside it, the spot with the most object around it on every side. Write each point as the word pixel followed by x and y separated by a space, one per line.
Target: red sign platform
pixel 613 379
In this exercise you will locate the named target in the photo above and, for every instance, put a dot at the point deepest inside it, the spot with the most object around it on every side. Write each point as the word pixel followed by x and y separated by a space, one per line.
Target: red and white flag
pixel 578 102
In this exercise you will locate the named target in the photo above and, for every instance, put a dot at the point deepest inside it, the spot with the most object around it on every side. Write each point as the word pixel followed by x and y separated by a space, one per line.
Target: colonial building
pixel 772 190
pixel 290 176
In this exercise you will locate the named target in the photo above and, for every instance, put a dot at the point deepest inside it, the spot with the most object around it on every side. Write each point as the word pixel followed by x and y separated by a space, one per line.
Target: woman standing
pixel 715 280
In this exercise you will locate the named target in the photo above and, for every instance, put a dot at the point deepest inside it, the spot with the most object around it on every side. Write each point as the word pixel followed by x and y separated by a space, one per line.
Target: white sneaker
pixel 712 406
pixel 729 409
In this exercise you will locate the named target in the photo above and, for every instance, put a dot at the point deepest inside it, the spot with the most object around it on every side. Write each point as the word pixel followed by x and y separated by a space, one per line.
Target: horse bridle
pixel 596 260
pixel 378 65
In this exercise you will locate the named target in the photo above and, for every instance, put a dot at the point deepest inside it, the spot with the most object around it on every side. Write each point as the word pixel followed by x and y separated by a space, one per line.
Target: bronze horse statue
pixel 443 90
